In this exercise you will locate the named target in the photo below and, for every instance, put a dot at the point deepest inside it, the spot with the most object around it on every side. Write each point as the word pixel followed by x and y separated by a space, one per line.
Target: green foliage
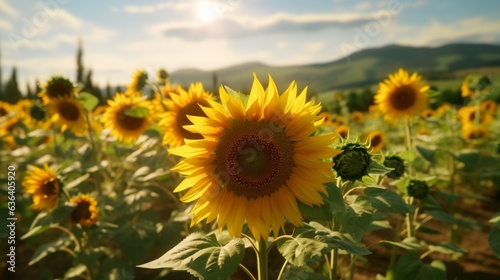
pixel 202 255
pixel 411 267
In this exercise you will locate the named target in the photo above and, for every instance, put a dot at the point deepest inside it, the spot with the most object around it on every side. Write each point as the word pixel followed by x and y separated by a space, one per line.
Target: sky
pixel 119 36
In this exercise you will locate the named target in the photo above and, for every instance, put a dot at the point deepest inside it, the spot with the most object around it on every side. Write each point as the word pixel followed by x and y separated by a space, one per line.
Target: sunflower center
pixel 403 97
pixel 3 112
pixel 192 109
pixel 50 188
pixel 82 211
pixel 376 140
pixel 128 122
pixel 69 111
pixel 254 159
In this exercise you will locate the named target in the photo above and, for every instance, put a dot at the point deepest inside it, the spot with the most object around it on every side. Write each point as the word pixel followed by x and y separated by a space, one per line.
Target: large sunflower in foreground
pixel 68 113
pixel 402 95
pixel 43 185
pixel 85 212
pixel 256 160
pixel 127 117
pixel 179 107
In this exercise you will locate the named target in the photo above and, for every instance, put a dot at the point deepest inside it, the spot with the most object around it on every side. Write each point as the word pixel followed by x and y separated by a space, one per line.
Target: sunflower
pixel 468 114
pixel 339 120
pixel 85 212
pixel 428 113
pixel 475 83
pixel 256 159
pixel 44 186
pixel 488 106
pixel 471 131
pixel 127 117
pixel 55 87
pixel 376 139
pixel 139 81
pixel 402 95
pixel 357 117
pixel 327 118
pixel 179 107
pixel 342 131
pixel 68 113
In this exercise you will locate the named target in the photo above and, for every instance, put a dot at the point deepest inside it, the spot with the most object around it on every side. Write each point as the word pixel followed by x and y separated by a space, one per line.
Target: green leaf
pixel 447 248
pixel 410 267
pixel 356 217
pixel 75 271
pixel 495 220
pixel 335 198
pixel 427 154
pixel 410 244
pixel 89 100
pixel 341 240
pixel 386 200
pixel 302 248
pixel 302 273
pixel 34 231
pixel 494 241
pixel 77 181
pixel 49 248
pixel 203 256
pixel 137 112
pixel 445 217
pixel 377 168
pixel 428 230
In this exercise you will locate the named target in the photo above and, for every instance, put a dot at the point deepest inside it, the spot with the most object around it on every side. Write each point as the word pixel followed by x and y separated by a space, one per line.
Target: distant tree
pixel 38 89
pixel 29 93
pixel 79 63
pixel 12 93
pixel 109 92
pixel 214 82
pixel 118 89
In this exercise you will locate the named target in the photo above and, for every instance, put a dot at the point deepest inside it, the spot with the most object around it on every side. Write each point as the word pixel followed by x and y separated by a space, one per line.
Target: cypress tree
pixel 79 63
pixel 12 93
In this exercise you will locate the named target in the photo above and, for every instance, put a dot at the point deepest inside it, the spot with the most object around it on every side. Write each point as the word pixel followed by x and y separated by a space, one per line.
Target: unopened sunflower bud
pixel 353 163
pixel 58 86
pixel 417 189
pixel 398 164
pixel 37 112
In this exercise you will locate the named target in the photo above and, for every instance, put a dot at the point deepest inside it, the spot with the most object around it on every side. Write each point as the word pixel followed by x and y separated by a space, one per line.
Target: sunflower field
pixel 173 182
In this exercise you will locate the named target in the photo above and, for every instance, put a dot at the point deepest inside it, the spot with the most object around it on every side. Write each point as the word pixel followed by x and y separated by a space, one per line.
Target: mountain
pixel 363 68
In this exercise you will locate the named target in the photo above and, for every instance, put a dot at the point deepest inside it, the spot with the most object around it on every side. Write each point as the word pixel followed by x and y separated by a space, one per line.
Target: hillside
pixel 363 68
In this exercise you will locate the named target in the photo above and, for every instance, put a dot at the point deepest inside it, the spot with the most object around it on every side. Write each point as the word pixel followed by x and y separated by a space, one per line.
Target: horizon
pixel 119 37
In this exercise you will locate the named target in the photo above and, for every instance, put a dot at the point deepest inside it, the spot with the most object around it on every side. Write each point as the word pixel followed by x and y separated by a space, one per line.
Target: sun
pixel 206 11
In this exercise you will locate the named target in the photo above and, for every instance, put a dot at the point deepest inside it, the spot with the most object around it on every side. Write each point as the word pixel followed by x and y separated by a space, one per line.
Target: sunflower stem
pixel 262 260
pixel 94 154
pixel 247 272
pixel 282 270
pixel 409 220
pixel 409 145
pixel 71 235
pixel 396 238
pixel 334 255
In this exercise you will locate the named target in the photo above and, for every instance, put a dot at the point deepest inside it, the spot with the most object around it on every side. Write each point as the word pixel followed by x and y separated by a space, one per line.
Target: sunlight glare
pixel 206 11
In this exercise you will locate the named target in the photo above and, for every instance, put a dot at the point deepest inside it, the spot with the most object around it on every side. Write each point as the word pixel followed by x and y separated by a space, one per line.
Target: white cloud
pixel 363 5
pixel 314 46
pixel 238 26
pixel 436 33
pixel 148 9
pixel 5 25
pixel 68 19
pixel 7 9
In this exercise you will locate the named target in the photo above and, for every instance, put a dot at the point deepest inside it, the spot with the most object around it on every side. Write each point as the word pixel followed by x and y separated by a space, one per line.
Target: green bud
pixel 398 164
pixel 58 86
pixel 353 163
pixel 37 112
pixel 417 189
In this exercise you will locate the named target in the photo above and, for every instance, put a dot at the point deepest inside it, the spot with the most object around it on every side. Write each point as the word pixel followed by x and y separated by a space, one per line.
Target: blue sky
pixel 40 37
